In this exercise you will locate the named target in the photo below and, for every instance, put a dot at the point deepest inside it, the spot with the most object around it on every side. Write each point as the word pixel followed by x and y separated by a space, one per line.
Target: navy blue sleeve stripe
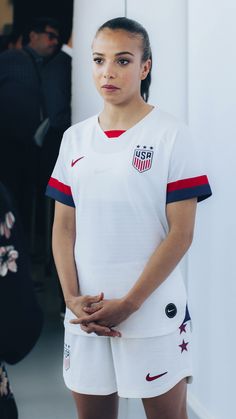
pixel 59 196
pixel 201 192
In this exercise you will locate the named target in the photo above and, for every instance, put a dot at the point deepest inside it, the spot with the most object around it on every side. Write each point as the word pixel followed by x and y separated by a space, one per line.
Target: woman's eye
pixel 123 61
pixel 97 60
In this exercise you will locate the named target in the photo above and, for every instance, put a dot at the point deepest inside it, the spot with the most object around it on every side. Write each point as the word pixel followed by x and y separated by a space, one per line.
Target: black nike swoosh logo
pixel 148 378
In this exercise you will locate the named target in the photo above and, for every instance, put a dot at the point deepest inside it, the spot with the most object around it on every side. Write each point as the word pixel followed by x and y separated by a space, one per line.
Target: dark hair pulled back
pixel 135 28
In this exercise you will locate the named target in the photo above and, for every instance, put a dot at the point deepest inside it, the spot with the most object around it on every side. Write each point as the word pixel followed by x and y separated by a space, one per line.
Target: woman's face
pixel 117 63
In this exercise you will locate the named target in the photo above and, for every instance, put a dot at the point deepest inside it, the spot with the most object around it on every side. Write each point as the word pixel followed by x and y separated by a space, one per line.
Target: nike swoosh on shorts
pixel 148 378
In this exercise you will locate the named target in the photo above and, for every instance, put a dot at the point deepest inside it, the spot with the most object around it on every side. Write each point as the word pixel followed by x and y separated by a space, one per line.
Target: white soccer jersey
pixel 120 188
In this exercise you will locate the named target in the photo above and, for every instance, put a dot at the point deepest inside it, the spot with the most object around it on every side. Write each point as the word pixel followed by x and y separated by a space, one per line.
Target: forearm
pixel 63 240
pixel 162 262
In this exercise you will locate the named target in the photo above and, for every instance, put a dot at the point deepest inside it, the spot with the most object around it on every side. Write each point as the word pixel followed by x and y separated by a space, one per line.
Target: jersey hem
pixel 123 335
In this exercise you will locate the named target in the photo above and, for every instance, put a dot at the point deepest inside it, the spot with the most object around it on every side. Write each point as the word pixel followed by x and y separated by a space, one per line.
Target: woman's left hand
pixel 106 313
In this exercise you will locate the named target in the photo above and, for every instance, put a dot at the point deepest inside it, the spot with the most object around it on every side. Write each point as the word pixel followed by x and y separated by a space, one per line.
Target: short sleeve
pixel 59 187
pixel 186 178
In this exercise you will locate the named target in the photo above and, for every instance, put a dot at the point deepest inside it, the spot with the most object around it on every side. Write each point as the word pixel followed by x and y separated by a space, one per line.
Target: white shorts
pixel 135 368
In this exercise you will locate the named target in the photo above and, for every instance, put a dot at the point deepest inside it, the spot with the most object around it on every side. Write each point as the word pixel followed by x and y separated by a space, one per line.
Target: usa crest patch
pixel 142 158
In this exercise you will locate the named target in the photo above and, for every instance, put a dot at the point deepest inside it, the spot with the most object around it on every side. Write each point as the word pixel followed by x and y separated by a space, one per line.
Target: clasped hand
pixel 98 315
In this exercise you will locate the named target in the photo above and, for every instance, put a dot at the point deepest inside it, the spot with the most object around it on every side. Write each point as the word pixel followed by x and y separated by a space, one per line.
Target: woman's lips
pixel 110 88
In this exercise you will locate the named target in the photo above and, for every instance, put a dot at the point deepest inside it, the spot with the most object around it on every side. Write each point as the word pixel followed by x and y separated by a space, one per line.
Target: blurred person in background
pixel 15 41
pixel 11 41
pixel 56 79
pixel 22 110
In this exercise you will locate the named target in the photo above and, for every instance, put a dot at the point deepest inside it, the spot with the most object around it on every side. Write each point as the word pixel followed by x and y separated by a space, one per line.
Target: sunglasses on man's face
pixel 51 35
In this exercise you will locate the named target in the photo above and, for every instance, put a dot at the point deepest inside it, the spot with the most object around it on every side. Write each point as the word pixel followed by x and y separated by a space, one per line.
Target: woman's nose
pixel 109 72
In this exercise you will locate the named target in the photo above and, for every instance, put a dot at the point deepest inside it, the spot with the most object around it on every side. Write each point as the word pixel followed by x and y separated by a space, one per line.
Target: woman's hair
pixel 135 28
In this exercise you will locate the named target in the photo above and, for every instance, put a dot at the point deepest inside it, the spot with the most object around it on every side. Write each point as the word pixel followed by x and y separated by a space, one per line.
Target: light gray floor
pixel 37 381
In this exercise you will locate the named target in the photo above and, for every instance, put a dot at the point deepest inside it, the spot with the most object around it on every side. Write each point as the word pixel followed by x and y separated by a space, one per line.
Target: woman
pixel 126 187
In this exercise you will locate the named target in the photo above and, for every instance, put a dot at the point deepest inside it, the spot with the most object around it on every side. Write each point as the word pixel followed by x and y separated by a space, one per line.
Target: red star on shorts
pixel 182 328
pixel 183 346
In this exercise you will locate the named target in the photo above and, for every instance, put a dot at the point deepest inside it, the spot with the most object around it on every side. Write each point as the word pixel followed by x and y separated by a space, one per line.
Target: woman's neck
pixel 123 117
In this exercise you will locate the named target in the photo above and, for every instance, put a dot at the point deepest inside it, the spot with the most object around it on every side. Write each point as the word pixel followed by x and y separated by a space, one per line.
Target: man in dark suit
pixel 22 109
pixel 56 81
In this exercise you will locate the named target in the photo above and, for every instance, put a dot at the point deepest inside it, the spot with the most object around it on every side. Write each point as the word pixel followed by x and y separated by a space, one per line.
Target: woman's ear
pixel 146 67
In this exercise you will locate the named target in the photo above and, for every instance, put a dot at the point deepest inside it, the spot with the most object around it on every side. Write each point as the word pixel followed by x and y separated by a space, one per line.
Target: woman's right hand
pixel 77 304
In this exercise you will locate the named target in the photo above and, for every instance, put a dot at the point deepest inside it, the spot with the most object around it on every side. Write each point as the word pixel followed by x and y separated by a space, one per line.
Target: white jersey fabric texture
pixel 120 188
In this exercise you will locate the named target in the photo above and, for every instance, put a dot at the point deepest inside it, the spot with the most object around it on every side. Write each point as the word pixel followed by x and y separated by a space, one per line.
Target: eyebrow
pixel 118 53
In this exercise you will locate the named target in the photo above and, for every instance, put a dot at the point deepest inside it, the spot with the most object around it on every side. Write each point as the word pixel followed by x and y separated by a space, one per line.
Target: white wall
pixel 212 261
pixel 165 21
pixel 193 77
